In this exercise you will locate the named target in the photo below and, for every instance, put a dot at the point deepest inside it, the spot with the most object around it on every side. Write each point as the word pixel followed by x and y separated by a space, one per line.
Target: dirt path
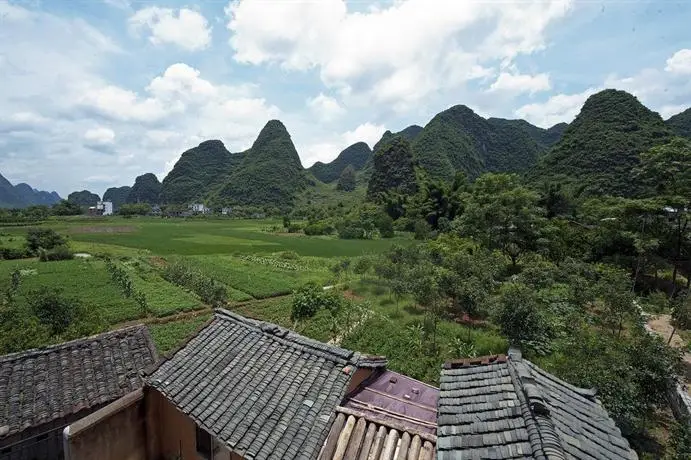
pixel 661 325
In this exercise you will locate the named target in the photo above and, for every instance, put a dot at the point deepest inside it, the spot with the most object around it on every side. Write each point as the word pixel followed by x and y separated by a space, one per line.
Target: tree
pixel 43 238
pixel 501 213
pixel 681 315
pixel 138 209
pixel 66 208
pixel 520 318
pixel 667 169
pixel 346 181
pixel 53 309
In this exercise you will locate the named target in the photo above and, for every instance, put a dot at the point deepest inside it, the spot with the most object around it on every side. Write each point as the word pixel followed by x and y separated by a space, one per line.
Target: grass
pixel 167 336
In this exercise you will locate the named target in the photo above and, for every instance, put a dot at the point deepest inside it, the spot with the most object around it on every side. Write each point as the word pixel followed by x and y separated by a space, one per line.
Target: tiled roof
pixel 263 391
pixel 45 384
pixel 508 408
pixel 388 414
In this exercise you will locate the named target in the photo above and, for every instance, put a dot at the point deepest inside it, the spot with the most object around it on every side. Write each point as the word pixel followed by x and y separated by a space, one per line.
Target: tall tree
pixel 667 169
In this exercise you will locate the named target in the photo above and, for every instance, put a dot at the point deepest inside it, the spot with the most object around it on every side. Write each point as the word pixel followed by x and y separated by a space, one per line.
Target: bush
pixel 13 253
pixel 319 228
pixel 58 253
pixel 422 230
pixel 294 228
pixel 310 298
pixel 45 238
pixel 53 309
pixel 351 231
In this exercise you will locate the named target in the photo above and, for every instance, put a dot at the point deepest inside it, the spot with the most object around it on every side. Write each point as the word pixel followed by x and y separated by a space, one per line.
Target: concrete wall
pixel 115 432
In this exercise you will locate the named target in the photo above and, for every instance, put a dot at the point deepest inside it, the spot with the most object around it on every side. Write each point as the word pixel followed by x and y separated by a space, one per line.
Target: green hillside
pixel 270 172
pixel 117 195
pixel 83 198
pixel 199 171
pixel 681 123
pixel 146 189
pixel 409 133
pixel 393 169
pixel 355 155
pixel 600 148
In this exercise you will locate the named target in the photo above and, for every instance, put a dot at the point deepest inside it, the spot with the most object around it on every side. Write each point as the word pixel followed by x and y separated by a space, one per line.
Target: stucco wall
pixel 115 432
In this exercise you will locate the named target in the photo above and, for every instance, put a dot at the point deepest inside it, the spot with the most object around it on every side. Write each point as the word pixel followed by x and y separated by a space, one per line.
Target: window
pixel 203 444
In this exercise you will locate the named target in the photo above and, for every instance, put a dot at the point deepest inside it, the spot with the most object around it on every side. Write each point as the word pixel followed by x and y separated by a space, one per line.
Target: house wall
pixel 172 433
pixel 115 432
pixel 360 376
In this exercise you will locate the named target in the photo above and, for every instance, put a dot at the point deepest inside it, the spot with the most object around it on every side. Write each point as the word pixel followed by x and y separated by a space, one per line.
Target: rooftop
pixel 258 388
pixel 387 413
pixel 45 384
pixel 505 407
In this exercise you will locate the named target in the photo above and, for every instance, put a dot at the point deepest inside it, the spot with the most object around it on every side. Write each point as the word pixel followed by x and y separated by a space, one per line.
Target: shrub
pixel 58 253
pixel 45 238
pixel 319 228
pixel 185 275
pixel 294 228
pixel 13 253
pixel 53 309
pixel 422 230
pixel 310 298
pixel 350 231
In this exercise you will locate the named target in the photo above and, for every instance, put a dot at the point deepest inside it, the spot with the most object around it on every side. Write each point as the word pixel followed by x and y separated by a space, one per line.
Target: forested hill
pixel 199 171
pixel 458 139
pixel 681 123
pixel 22 195
pixel 600 149
pixel 356 155
pixel 409 134
pixel 270 172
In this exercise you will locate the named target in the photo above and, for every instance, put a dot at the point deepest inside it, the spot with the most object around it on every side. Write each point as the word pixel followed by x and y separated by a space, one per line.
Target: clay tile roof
pixel 41 385
pixel 261 390
pixel 508 408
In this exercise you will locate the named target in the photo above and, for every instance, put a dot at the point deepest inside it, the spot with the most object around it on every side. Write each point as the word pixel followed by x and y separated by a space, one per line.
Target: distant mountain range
pixel 23 195
pixel 593 155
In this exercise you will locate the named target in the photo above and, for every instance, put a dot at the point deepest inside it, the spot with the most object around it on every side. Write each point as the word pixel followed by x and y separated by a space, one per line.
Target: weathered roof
pixel 263 391
pixel 506 407
pixel 387 414
pixel 45 384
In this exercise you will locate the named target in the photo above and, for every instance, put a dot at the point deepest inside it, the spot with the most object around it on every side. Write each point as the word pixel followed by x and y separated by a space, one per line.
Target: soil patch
pixel 661 325
pixel 156 261
pixel 95 229
pixel 350 295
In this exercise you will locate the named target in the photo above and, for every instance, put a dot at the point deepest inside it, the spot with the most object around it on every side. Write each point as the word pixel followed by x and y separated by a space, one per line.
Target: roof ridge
pixel 73 343
pixel 478 361
pixel 286 335
pixel 544 439
pixel 589 393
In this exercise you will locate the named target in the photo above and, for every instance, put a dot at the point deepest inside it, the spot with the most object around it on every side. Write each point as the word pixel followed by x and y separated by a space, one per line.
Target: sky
pixel 96 92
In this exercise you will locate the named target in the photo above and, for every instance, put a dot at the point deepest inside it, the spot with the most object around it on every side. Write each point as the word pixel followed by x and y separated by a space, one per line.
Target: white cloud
pixel 99 136
pixel 397 55
pixel 557 109
pixel 368 132
pixel 520 83
pixel 680 62
pixel 325 107
pixel 185 28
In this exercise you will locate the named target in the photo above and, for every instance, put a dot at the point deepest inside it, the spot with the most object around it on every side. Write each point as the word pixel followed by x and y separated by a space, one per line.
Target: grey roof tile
pixel 506 407
pixel 261 390
pixel 41 385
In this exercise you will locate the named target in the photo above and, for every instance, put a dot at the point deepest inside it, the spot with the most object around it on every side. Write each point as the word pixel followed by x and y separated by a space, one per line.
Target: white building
pixel 199 208
pixel 104 208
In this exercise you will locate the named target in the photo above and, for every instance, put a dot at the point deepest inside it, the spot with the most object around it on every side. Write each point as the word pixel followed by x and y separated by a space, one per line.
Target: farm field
pixel 258 268
pixel 250 260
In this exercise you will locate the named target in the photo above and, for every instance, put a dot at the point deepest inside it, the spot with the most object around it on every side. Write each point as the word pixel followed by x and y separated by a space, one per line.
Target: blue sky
pixel 97 92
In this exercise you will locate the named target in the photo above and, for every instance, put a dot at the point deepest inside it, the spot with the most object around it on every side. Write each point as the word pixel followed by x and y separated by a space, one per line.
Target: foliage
pixel 61 252
pixel 310 298
pixel 53 309
pixel 393 170
pixel 680 123
pixel 354 156
pixel 186 275
pixel 679 447
pixel 138 209
pixel 83 198
pixel 319 228
pixel 146 189
pixel 519 315
pixel 43 238
pixel 599 150
pixel 14 253
pixel 346 181
pixel 66 208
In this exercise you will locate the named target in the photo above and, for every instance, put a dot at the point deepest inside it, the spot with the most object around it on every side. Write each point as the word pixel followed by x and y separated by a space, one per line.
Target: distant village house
pixel 102 208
